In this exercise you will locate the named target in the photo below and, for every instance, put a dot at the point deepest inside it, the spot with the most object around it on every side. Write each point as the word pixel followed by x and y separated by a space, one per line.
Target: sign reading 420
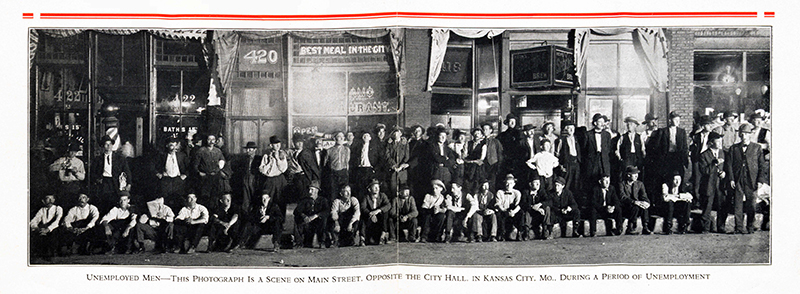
pixel 261 56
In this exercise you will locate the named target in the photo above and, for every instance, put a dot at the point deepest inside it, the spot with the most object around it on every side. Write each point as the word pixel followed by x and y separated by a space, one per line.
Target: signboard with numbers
pixel 456 68
pixel 260 56
pixel 540 67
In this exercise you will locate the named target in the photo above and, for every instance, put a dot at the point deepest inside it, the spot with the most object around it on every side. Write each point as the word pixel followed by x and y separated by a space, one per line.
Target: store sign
pixel 372 93
pixel 542 67
pixel 456 68
pixel 342 50
pixel 260 57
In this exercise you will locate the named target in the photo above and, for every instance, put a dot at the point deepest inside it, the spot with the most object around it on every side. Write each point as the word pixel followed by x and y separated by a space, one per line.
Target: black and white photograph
pixel 399 145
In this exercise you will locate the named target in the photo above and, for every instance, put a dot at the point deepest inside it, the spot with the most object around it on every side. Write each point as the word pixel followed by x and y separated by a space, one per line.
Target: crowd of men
pixel 416 185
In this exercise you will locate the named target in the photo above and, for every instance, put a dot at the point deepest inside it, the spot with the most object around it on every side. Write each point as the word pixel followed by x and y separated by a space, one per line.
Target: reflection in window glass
pixel 720 67
pixel 601 65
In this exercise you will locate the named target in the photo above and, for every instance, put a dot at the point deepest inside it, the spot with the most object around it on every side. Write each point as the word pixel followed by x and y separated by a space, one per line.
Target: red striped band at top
pixel 769 14
pixel 377 15
pixel 27 15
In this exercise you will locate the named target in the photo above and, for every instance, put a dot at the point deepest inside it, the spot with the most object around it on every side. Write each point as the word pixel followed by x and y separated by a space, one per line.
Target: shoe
pixel 629 231
pixel 750 230
pixel 576 235
pixel 667 232
pixel 479 239
pixel 447 239
pixel 492 239
pixel 191 251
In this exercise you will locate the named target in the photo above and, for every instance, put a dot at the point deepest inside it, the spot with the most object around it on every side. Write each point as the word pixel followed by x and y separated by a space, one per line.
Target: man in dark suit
pixel 172 168
pixel 700 143
pixel 711 169
pixel 596 150
pixel 364 159
pixel 746 172
pixel 528 147
pixel 111 172
pixel 568 151
pixel 671 148
pixel 605 205
pixel 418 164
pixel 309 160
pixel 444 158
pixel 565 208
pixel 633 199
pixel 247 178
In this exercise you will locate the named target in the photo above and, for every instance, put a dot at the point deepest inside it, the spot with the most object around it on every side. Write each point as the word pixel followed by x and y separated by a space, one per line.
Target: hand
pixel 403 166
pixel 350 227
pixel 733 185
pixel 760 185
pixel 464 223
pixel 183 177
pixel 159 175
pixel 108 231
pixel 264 219
pixel 488 212
pixel 403 218
pixel 126 232
pixel 336 228
pixel 374 212
pixel 373 219
pixel 202 174
pixel 610 209
pixel 127 187
pixel 563 169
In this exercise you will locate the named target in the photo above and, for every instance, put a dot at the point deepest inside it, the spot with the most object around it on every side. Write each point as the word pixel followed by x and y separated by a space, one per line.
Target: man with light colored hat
pixel 746 171
pixel 630 146
pixel 433 211
pixel 509 212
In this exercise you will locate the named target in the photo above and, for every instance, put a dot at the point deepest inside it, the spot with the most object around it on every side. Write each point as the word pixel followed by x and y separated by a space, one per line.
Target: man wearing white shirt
pixel 508 211
pixel 273 164
pixel 46 220
pixel 71 173
pixel 118 223
pixel 78 224
pixel 156 225
pixel 190 224
pixel 172 169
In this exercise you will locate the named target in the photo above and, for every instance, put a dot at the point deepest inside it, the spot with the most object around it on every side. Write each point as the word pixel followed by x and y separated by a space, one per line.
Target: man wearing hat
pixel 79 223
pixel 630 147
pixel 396 157
pixel 729 130
pixel 337 165
pixel 761 135
pixel 247 176
pixel 403 215
pixel 346 219
pixel 460 209
pixel 364 163
pixel 596 156
pixel 311 217
pixel 433 210
pixel 208 165
pixel 509 212
pixel 44 237
pixel 172 168
pixel 509 139
pixel 568 151
pixel 309 160
pixel 605 205
pixel 273 164
pixel 671 147
pixel 700 143
pixel 635 203
pixel 650 126
pixel 444 158
pixel 265 218
pixel 529 146
pixel 535 203
pixel 70 174
pixel 494 152
pixel 746 171
pixel 118 224
pixel 374 213
pixel 711 173
pixel 564 208
pixel 111 172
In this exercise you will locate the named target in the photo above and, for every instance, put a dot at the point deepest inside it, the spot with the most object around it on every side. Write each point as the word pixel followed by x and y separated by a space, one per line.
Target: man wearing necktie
pixel 110 171
pixel 712 173
pixel 605 205
pixel 746 171
pixel 700 143
pixel 444 158
pixel 364 159
pixel 171 171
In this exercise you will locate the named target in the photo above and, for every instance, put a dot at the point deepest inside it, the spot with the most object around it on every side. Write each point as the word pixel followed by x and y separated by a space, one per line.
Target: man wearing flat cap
pixel 311 217
pixel 564 208
pixel 273 164
pixel 635 204
pixel 374 212
pixel 712 173
pixel 247 177
pixel 729 130
pixel 210 165
pixel 746 171
pixel 403 215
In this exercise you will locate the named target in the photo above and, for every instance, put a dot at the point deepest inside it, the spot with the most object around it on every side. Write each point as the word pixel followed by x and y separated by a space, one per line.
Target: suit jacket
pixel 709 168
pixel 525 149
pixel 746 167
pixel 528 200
pixel 661 144
pixel 612 199
pixel 183 163
pixel 373 154
pixel 308 162
pixel 447 160
pixel 564 200
pixel 119 165
pixel 596 163
pixel 272 210
pixel 407 208
pixel 368 204
pixel 628 195
pixel 696 147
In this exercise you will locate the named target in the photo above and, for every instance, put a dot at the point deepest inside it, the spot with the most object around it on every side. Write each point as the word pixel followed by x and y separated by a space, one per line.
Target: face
pixel 676 180
pixel 275 146
pixel 318 143
pixel 633 177
pixel 599 124
pixel 549 128
pixel 437 189
pixel 716 143
pixel 455 188
pixel 83 199
pixel 630 126
pixel 512 123
pixel 605 182
pixel 366 137
pixel 381 133
pixel 299 144
pixel 546 145
pixel 250 151
pixel 570 130
pixel 396 135
pixel 405 193
pixel 345 192
pixel 172 146
pixel 652 124
pixel 485 186
pixel 73 154
pixel 757 122
pixel 462 138
pixel 339 138
pixel 708 127
pixel 107 145
pixel 265 199
pixel 418 133
pixel 211 141
pixel 745 138
pixel 375 189
pixel 487 129
pixel 350 136
pixel 730 120
pixel 510 184
pixel 535 185
pixel 675 121
pixel 225 200
pixel 49 200
pixel 191 200
pixel 124 201
pixel 559 187
pixel 442 137
pixel 313 192
pixel 477 134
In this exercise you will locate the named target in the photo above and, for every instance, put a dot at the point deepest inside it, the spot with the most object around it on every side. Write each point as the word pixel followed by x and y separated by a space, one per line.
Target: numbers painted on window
pixel 453 67
pixel 71 96
pixel 262 56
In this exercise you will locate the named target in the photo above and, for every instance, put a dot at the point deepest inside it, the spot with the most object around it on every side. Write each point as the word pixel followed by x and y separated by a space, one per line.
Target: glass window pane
pixel 632 72
pixel 366 123
pixel 168 91
pixel 634 106
pixel 723 67
pixel 601 65
pixel 599 104
pixel 758 66
pixel 444 103
pixel 195 91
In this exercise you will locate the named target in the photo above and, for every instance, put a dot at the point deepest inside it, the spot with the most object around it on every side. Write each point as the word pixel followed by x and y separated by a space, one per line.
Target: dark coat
pixel 628 195
pixel 408 208
pixel 596 163
pixel 309 206
pixel 709 168
pixel 562 148
pixel 612 199
pixel 527 201
pixel 752 160
pixel 161 163
pixel 368 205
pixel 373 153
pixel 564 200
pixel 119 165
pixel 661 144
pixel 308 162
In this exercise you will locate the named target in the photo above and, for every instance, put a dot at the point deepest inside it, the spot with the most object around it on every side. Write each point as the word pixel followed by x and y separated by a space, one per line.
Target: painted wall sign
pixel 372 93
pixel 260 57
pixel 307 50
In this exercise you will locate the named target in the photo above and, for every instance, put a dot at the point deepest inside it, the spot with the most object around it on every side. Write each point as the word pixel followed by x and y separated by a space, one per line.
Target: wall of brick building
pixel 415 76
pixel 681 76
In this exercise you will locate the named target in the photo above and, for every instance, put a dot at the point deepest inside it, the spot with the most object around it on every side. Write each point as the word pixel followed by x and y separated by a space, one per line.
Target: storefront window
pixel 731 80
